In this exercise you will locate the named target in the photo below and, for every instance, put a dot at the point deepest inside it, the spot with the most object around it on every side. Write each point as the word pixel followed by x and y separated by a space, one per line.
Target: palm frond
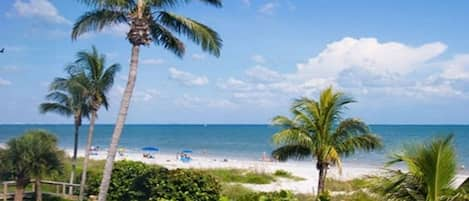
pixel 96 21
pixel 162 36
pixel 291 151
pixel 110 4
pixel 56 108
pixel 199 33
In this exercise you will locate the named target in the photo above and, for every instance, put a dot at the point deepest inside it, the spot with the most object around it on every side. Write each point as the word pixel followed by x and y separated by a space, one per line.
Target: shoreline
pixel 301 169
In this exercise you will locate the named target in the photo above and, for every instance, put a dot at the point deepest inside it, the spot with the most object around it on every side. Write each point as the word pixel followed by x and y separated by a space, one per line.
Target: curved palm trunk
pixel 104 187
pixel 38 190
pixel 87 155
pixel 322 167
pixel 74 158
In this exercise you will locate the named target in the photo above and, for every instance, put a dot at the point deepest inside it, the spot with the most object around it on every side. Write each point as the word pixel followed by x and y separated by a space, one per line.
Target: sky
pixel 405 62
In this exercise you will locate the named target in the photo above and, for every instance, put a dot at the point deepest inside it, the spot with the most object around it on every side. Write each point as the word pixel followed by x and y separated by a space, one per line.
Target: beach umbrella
pixel 150 149
pixel 186 151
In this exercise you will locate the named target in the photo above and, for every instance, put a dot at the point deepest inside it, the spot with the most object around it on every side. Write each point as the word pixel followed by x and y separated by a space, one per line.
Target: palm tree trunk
pixel 19 193
pixel 20 185
pixel 124 107
pixel 87 155
pixel 38 190
pixel 322 167
pixel 74 158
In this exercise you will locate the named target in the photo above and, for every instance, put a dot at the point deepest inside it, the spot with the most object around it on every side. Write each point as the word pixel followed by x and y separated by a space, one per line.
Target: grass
pixel 240 176
pixel 288 175
pixel 349 185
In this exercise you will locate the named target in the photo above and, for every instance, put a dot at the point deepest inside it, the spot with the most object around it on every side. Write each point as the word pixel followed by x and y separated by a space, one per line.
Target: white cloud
pixel 190 101
pixel 258 59
pixel 138 95
pixel 268 8
pixel 457 68
pixel 39 9
pixel 4 82
pixel 198 57
pixel 157 61
pixel 263 74
pixel 246 2
pixel 364 66
pixel 186 78
pixel 370 54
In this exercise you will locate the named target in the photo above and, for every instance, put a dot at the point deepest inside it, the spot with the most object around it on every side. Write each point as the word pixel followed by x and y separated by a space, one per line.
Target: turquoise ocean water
pixel 241 141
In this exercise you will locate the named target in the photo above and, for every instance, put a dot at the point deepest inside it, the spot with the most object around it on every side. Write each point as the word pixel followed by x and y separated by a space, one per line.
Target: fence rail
pixel 61 189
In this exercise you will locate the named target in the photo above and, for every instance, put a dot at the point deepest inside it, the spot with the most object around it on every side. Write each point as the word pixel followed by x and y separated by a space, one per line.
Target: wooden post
pixel 64 189
pixel 5 191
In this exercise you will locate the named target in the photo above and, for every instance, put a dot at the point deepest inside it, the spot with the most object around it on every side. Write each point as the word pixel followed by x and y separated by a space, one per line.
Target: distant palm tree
pixel 95 79
pixel 317 129
pixel 431 170
pixel 67 102
pixel 33 155
pixel 149 22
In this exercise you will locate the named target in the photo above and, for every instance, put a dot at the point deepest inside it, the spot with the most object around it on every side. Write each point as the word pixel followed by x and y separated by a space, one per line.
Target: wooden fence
pixel 60 189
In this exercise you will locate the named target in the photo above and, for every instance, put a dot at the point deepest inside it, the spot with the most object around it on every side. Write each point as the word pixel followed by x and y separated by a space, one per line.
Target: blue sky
pixel 404 61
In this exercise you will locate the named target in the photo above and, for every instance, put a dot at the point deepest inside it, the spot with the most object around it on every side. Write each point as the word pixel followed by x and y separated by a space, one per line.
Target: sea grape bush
pixel 136 181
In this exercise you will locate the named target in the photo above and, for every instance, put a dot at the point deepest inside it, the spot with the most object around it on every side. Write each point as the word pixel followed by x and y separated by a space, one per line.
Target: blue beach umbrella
pixel 186 151
pixel 150 149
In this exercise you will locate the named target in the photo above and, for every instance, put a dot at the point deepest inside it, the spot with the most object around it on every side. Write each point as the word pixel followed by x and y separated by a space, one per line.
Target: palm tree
pixel 149 22
pixel 317 129
pixel 431 170
pixel 33 155
pixel 95 80
pixel 67 102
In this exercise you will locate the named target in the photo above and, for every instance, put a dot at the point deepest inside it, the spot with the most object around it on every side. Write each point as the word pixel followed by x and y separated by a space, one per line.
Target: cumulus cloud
pixel 362 66
pixel 42 9
pixel 4 82
pixel 144 95
pixel 150 61
pixel 268 8
pixel 186 78
pixel 370 54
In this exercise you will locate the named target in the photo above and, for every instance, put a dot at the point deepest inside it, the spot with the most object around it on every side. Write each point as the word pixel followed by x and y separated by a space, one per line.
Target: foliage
pixel 288 175
pixel 34 154
pixel 324 196
pixel 138 181
pixel 351 185
pixel 317 129
pixel 431 171
pixel 237 192
pixel 158 24
pixel 240 176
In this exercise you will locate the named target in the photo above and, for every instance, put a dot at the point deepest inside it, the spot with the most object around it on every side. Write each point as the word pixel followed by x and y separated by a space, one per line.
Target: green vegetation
pixel 431 170
pixel 150 21
pixel 240 176
pixel 138 181
pixel 33 155
pixel 351 185
pixel 237 192
pixel 67 100
pixel 316 129
pixel 287 175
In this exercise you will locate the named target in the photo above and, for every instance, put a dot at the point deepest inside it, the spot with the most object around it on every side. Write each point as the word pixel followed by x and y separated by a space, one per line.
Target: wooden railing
pixel 61 189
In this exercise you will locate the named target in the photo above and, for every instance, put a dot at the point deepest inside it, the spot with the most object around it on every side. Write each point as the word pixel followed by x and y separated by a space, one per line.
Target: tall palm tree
pixel 150 21
pixel 67 102
pixel 33 155
pixel 95 79
pixel 317 129
pixel 431 170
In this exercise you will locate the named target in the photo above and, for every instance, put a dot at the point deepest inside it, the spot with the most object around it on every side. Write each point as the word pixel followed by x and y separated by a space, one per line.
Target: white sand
pixel 300 169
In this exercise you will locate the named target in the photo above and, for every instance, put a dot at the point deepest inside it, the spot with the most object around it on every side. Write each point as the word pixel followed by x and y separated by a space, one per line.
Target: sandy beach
pixel 301 169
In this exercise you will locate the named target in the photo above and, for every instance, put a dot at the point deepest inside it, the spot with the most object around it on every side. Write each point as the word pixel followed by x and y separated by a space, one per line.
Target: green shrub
pixel 136 181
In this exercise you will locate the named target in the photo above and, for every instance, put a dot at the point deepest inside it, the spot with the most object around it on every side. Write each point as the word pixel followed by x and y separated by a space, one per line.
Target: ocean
pixel 241 141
